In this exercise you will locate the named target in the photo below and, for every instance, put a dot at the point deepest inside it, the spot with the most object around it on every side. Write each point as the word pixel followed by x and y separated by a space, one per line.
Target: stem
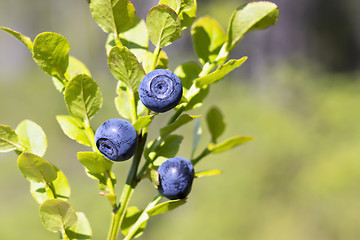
pixel 178 112
pixel 156 58
pixel 132 105
pixel 90 134
pixel 131 182
pixel 64 236
pixel 203 154
pixel 142 218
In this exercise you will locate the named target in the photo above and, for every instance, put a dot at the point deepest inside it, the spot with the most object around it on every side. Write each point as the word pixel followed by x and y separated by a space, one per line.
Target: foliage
pixel 128 60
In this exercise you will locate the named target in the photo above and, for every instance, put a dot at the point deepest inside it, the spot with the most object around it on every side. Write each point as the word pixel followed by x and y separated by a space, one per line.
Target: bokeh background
pixel 298 94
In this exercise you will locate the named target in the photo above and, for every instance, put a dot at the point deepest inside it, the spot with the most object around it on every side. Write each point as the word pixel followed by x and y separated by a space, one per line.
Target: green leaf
pixel 8 139
pixel 125 67
pixel 251 16
pixel 97 166
pixel 143 122
pixel 208 173
pixel 229 143
pixel 35 168
pixel 166 206
pixel 122 101
pixel 24 39
pixel 95 163
pixel 113 16
pixel 195 97
pixel 197 133
pixel 163 25
pixel 154 177
pixel 187 73
pixel 131 216
pixel 187 15
pixel 81 229
pixel 173 4
pixel 183 119
pixel 186 10
pixel 83 97
pixel 73 128
pixel 208 38
pixel 219 73
pixel 57 215
pixel 32 137
pixel 61 185
pixel 76 67
pixel 51 53
pixel 216 123
pixel 168 148
pixel 136 39
pixel 41 192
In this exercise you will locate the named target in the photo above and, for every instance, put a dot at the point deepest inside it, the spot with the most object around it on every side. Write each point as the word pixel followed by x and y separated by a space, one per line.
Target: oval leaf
pixel 122 101
pixel 187 73
pixel 76 67
pixel 97 167
pixel 229 144
pixel 61 185
pixel 166 206
pixel 57 215
pixel 131 216
pixel 113 16
pixel 208 37
pixel 251 16
pixel 41 192
pixel 216 123
pixel 208 173
pixel 83 97
pixel 51 53
pixel 81 230
pixel 32 137
pixel 187 14
pixel 168 148
pixel 24 39
pixel 35 168
pixel 94 162
pixel 136 39
pixel 8 139
pixel 182 120
pixel 219 73
pixel 125 67
pixel 74 128
pixel 163 25
pixel 143 122
pixel 197 133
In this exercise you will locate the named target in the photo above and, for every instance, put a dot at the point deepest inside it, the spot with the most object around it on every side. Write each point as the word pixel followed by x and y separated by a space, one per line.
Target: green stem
pixel 142 218
pixel 64 236
pixel 90 134
pixel 155 58
pixel 203 154
pixel 132 103
pixel 178 112
pixel 131 182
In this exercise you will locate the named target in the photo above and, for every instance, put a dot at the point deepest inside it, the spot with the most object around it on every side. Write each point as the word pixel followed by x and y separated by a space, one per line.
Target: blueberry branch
pixel 156 58
pixel 128 189
pixel 203 154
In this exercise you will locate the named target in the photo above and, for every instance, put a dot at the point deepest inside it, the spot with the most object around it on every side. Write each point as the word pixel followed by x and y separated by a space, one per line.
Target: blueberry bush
pixel 145 88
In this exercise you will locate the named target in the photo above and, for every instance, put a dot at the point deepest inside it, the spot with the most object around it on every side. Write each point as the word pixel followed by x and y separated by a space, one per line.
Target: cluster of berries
pixel 160 91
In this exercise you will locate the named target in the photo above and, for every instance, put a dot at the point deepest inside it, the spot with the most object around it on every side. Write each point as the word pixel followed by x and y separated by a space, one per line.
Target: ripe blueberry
pixel 160 90
pixel 116 139
pixel 175 178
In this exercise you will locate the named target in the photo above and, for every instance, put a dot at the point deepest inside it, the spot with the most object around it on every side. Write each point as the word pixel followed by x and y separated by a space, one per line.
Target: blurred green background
pixel 298 95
